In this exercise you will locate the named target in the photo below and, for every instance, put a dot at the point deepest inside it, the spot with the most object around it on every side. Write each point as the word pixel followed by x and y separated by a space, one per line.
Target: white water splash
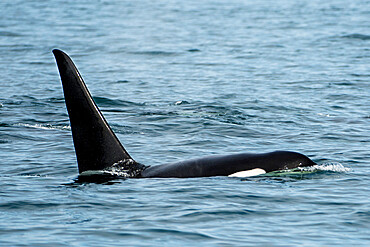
pixel 127 168
pixel 111 172
pixel 44 127
pixel 331 167
pixel 300 171
pixel 117 172
pixel 324 115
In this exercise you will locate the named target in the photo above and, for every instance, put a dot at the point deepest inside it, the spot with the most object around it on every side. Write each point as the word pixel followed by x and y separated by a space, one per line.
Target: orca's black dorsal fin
pixel 96 146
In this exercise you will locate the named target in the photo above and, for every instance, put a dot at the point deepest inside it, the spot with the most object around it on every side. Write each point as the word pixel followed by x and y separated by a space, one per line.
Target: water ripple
pixel 182 79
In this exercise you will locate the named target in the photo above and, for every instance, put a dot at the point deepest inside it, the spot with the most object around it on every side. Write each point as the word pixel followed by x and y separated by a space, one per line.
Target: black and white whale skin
pixel 98 149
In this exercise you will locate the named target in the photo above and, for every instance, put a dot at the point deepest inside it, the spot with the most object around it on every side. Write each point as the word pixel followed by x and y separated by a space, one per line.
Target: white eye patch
pixel 248 173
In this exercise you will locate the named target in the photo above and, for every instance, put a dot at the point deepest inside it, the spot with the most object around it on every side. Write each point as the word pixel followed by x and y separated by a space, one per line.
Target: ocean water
pixel 183 79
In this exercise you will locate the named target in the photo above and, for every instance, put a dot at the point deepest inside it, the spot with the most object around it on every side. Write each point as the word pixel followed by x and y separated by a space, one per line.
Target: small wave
pixel 324 114
pixel 96 177
pixel 126 168
pixel 44 126
pixel 194 50
pixel 357 36
pixel 9 34
pixel 307 172
pixel 94 173
pixel 328 167
pixel 154 53
pixel 114 172
pixel 104 101
pixel 181 102
pixel 122 81
pixel 27 205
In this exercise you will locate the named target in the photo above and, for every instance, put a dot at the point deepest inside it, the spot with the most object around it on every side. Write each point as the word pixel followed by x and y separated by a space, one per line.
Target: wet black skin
pixel 224 165
pixel 98 148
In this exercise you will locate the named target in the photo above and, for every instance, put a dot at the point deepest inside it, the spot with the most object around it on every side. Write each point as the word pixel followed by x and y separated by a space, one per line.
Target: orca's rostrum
pixel 98 149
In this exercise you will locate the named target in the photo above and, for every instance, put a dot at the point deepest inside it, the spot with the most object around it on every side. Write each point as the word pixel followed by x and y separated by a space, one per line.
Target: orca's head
pixel 289 160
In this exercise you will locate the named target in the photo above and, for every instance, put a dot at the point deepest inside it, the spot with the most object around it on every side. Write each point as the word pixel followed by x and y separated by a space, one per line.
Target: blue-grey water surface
pixel 182 79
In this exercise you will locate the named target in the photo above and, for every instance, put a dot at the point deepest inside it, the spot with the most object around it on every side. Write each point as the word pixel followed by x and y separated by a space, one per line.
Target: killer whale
pixel 98 149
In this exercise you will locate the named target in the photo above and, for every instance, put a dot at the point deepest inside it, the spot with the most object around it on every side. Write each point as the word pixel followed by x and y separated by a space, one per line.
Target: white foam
pixel 248 173
pixel 331 167
pixel 45 127
pixel 113 172
pixel 119 169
